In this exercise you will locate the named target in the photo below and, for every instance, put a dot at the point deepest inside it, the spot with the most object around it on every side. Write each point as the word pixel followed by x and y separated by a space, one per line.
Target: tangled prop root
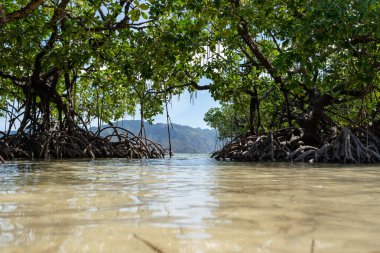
pixel 287 145
pixel 78 144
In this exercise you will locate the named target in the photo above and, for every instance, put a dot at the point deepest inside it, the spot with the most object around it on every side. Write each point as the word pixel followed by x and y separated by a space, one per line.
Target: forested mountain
pixel 184 139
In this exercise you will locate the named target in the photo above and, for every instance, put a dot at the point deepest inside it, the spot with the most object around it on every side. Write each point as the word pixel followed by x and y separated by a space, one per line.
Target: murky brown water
pixel 187 205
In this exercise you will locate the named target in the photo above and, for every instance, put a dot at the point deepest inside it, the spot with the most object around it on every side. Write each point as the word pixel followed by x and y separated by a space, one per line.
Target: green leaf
pixel 144 6
pixel 135 15
pixel 144 15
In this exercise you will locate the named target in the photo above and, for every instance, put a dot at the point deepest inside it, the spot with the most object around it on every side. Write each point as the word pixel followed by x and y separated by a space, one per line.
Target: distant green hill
pixel 184 139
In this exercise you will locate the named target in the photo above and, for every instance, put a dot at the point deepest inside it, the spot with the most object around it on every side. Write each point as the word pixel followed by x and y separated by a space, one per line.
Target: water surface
pixel 187 204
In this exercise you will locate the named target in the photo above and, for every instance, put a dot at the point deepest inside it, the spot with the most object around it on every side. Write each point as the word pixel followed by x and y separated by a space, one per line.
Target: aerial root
pixel 276 146
pixel 287 145
pixel 78 144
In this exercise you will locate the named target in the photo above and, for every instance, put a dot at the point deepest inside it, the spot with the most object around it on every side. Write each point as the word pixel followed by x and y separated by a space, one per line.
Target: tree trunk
pixel 316 120
pixel 28 102
pixel 253 108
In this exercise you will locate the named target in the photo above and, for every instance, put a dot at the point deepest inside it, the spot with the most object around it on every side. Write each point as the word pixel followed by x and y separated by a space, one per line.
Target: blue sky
pixel 183 111
pixel 189 110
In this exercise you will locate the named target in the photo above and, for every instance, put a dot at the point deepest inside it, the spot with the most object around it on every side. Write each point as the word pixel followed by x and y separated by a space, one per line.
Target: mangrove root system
pixel 78 144
pixel 359 146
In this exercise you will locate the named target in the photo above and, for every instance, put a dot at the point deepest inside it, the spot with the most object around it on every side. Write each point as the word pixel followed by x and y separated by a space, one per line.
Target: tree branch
pixel 19 14
pixel 57 16
pixel 13 78
pixel 192 83
pixel 364 39
pixel 275 42
pixel 249 41
pixel 122 25
pixel 244 33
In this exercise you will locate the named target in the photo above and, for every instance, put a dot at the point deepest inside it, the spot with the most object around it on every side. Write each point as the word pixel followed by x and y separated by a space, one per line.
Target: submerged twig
pixel 149 244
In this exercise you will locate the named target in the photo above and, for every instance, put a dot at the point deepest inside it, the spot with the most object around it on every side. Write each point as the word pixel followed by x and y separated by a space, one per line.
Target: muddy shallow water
pixel 189 203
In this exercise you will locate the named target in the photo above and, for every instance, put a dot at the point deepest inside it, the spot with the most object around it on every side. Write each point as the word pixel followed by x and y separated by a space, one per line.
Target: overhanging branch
pixel 13 78
pixel 19 14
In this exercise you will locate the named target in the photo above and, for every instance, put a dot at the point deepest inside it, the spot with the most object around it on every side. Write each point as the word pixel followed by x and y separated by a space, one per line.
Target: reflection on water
pixel 187 204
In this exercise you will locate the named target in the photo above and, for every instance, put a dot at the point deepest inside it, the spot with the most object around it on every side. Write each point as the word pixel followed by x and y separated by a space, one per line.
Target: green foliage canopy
pixel 273 63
